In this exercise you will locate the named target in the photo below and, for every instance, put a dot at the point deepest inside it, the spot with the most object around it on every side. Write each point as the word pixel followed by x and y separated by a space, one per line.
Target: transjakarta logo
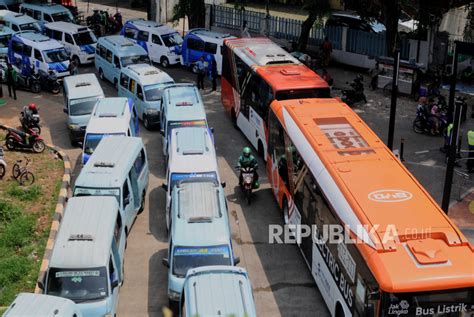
pixel 390 195
pixel 399 309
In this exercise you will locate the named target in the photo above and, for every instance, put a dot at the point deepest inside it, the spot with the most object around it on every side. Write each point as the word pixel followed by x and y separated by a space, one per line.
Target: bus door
pixel 248 119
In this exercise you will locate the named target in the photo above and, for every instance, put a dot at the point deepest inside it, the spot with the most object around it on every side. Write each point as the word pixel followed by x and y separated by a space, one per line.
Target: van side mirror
pixel 223 184
pixel 162 132
pixel 40 284
pixel 65 110
pixel 126 201
pixel 164 186
pixel 236 260
pixel 212 130
pixel 115 283
pixel 165 262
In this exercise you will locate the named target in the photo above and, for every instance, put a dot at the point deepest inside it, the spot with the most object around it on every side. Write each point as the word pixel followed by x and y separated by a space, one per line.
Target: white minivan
pixel 162 43
pixel 19 22
pixel 79 41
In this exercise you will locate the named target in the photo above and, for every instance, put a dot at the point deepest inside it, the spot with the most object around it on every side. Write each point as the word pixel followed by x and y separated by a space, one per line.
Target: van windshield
pixel 153 92
pixel 186 258
pixel 93 139
pixel 182 124
pixel 78 285
pixel 81 107
pixel 176 177
pixel 30 27
pixel 172 39
pixel 135 59
pixel 56 55
pixel 84 38
pixel 4 41
pixel 87 191
pixel 62 16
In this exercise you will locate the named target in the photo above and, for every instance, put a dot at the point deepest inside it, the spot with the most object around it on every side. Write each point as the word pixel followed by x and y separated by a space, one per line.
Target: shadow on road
pixel 157 284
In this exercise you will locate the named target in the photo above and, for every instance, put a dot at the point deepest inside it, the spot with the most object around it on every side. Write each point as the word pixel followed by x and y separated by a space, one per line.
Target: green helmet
pixel 246 151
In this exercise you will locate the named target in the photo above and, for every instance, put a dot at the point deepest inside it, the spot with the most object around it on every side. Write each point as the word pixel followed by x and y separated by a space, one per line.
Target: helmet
pixel 32 106
pixel 246 151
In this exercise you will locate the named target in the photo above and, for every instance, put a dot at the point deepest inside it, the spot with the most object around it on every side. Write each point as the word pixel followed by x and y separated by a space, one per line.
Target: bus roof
pixel 288 77
pixel 107 166
pixel 260 51
pixel 85 236
pixel 369 186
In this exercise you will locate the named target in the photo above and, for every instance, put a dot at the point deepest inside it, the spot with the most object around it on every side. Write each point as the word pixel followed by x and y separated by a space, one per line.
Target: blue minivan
pixel 115 52
pixel 203 43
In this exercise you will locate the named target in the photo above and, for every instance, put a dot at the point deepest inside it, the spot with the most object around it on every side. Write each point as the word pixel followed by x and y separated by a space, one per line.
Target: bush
pixel 18 232
pixel 24 194
pixel 8 212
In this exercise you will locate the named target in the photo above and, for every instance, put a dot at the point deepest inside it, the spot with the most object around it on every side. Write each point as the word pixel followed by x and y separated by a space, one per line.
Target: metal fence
pixel 359 42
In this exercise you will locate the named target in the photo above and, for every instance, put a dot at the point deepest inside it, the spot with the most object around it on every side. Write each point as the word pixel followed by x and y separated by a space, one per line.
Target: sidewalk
pixel 462 214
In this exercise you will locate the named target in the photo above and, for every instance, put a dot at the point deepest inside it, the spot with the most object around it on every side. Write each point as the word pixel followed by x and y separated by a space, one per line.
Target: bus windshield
pixel 439 303
pixel 176 177
pixel 78 285
pixel 182 124
pixel 85 38
pixel 92 140
pixel 56 55
pixel 134 59
pixel 62 16
pixel 186 258
pixel 303 93
pixel 30 27
pixel 172 39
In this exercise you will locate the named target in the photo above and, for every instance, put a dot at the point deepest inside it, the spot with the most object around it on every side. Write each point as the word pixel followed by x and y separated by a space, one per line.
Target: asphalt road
pixel 281 281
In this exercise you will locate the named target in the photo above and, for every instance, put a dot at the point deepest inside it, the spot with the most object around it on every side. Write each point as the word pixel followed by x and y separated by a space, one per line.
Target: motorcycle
pixel 30 121
pixel 423 123
pixel 49 81
pixel 31 82
pixel 17 139
pixel 3 164
pixel 356 94
pixel 247 181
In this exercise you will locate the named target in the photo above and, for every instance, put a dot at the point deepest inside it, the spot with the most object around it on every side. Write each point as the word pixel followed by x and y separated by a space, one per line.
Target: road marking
pixel 422 152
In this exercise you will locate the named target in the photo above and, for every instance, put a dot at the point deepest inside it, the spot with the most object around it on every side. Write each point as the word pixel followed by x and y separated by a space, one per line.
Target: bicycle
pixel 22 174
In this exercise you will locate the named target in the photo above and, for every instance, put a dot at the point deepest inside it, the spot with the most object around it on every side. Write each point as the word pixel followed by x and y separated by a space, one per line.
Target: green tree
pixel 194 10
pixel 317 9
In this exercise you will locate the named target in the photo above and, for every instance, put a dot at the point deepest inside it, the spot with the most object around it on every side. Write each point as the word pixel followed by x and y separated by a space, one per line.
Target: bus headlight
pixel 74 127
pixel 174 296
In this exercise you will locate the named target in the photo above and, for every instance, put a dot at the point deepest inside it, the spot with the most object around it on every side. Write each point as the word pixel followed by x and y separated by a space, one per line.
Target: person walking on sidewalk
pixel 326 47
pixel 470 158
pixel 11 80
pixel 201 72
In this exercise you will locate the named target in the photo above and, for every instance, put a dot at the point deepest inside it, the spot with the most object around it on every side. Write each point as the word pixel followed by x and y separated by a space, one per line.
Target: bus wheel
pixel 76 60
pixel 164 62
pixel 233 116
pixel 286 216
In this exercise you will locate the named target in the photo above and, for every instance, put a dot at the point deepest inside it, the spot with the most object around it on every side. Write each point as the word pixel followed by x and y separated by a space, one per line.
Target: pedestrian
pixel 245 30
pixel 11 80
pixel 214 74
pixel 447 139
pixel 470 158
pixel 326 48
pixel 201 72
pixel 73 67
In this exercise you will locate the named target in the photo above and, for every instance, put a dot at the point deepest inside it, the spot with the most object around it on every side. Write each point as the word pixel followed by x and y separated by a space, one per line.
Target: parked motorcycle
pixel 30 82
pixel 17 139
pixel 247 181
pixel 30 121
pixel 356 94
pixel 49 81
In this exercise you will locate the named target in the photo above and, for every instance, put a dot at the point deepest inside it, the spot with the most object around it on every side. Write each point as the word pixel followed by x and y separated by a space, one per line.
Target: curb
pixel 58 212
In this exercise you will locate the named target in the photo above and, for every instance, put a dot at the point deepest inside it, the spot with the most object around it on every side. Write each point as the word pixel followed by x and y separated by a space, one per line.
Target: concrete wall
pixel 164 10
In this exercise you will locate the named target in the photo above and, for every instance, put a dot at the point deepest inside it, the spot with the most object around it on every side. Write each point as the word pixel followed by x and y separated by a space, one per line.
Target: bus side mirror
pixel 223 184
pixel 164 186
pixel 115 283
pixel 65 110
pixel 165 262
pixel 236 260
pixel 40 283
pixel 212 130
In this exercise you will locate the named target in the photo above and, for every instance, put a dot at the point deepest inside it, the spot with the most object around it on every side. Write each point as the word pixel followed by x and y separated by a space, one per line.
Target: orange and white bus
pixel 327 168
pixel 255 71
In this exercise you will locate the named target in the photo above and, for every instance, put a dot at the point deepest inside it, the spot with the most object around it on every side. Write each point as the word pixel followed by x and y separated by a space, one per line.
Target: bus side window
pixel 241 71
pixel 108 55
pixel 155 39
pixel 116 62
pixel 47 18
pixel 139 92
pixel 68 38
pixel 124 80
pixel 131 86
pixel 15 28
pixel 140 162
pixel 126 194
pixel 195 44
pixel 210 48
pixel 37 15
pixel 38 55
pixel 143 36
pixel 130 33
pixel 277 142
pixel 118 229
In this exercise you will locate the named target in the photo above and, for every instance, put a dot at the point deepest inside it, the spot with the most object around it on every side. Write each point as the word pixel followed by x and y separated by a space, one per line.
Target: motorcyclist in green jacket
pixel 248 160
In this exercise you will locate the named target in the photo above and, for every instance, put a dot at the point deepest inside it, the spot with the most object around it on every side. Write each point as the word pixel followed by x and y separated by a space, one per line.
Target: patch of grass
pixel 8 212
pixel 18 233
pixel 31 193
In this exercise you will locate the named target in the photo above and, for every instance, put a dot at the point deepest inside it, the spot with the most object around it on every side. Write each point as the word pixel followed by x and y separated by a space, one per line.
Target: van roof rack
pixel 104 164
pixel 83 84
pixel 107 115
